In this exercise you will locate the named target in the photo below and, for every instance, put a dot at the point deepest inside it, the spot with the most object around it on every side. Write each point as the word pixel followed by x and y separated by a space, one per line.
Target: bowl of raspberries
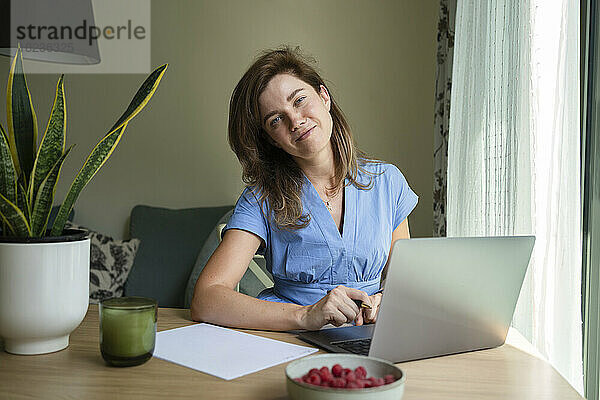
pixel 343 376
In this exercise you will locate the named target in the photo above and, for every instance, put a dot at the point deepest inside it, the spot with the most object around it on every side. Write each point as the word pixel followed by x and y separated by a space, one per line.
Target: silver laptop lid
pixel 449 295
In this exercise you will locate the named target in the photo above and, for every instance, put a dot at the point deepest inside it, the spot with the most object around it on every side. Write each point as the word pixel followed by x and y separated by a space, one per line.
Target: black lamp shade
pixel 58 31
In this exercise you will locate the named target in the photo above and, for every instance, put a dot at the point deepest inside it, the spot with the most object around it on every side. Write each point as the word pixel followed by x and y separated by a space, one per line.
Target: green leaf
pixel 105 147
pixel 45 197
pixel 141 98
pixel 23 201
pixel 53 142
pixel 8 175
pixel 94 162
pixel 14 218
pixel 22 122
pixel 5 227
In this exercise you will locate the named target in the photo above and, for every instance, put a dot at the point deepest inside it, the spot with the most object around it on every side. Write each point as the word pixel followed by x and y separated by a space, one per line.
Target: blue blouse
pixel 308 262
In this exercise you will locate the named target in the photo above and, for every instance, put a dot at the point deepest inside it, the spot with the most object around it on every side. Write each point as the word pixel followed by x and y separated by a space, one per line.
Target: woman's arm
pixel 215 300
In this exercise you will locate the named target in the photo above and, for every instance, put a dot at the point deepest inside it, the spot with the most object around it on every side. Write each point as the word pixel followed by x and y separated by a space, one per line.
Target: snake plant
pixel 29 173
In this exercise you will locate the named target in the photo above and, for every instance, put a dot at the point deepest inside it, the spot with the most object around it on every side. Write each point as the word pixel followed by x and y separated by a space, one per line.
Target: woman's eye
pixel 300 100
pixel 274 121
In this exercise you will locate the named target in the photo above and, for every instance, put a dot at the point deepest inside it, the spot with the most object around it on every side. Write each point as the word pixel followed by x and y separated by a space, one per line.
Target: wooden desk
pixel 79 372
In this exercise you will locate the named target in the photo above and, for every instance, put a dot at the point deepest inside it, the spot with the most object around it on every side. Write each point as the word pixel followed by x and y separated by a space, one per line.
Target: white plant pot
pixel 44 289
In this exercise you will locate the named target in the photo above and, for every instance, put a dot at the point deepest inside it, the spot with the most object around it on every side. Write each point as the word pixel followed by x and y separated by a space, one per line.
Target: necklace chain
pixel 327 202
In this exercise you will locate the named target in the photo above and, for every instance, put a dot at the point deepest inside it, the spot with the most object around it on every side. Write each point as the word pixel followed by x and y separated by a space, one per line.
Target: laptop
pixel 442 296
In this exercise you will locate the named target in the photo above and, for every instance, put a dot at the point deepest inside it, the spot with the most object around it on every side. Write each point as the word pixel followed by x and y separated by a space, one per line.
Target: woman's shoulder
pixel 378 168
pixel 383 176
pixel 250 191
pixel 250 195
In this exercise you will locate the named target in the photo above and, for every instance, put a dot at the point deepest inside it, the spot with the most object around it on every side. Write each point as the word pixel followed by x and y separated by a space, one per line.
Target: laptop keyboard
pixel 360 346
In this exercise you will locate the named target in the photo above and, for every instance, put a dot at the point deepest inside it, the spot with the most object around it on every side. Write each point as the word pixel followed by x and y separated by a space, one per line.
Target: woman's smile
pixel 305 134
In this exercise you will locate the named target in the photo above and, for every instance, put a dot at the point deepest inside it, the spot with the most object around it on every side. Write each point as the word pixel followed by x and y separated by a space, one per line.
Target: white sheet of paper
pixel 223 352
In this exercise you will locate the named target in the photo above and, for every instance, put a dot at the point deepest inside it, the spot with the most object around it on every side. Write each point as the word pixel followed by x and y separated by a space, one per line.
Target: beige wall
pixel 379 57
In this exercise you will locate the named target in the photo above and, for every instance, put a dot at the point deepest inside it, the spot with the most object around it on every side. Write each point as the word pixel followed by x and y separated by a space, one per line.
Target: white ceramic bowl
pixel 374 366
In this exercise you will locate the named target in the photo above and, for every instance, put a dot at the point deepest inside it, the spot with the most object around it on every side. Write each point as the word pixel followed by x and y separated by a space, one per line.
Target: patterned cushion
pixel 110 263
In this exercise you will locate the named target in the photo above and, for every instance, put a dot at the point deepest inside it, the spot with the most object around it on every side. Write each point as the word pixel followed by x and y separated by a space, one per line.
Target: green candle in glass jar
pixel 127 330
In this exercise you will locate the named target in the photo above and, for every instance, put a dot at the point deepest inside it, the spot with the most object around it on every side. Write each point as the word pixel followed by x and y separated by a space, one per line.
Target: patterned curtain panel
pixel 443 84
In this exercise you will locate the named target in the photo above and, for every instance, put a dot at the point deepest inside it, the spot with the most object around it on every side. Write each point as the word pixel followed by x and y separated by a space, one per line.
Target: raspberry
pixel 360 372
pixel 337 370
pixel 326 375
pixel 314 379
pixel 351 376
pixel 339 377
pixel 338 383
pixel 377 381
pixel 352 385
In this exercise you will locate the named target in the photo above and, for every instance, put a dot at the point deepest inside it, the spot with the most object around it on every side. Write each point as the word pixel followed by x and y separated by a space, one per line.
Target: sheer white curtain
pixel 514 156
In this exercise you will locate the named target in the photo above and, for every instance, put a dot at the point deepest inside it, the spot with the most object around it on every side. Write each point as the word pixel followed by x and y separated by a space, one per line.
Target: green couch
pixel 175 245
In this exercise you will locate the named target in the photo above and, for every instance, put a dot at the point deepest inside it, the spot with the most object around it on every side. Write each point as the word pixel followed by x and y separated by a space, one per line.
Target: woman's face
pixel 295 116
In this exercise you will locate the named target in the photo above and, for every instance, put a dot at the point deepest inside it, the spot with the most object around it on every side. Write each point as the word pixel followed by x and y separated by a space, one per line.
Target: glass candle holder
pixel 127 330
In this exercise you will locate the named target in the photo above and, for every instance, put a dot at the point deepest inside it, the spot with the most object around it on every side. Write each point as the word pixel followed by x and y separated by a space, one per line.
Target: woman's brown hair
pixel 273 172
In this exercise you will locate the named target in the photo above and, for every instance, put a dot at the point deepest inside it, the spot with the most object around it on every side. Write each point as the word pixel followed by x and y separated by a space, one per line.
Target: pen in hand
pixel 360 304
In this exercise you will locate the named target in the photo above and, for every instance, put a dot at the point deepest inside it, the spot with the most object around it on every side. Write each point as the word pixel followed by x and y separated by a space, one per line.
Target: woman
pixel 323 215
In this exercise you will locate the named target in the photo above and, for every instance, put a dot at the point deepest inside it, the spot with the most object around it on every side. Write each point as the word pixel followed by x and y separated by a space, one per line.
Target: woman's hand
pixel 370 316
pixel 337 308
